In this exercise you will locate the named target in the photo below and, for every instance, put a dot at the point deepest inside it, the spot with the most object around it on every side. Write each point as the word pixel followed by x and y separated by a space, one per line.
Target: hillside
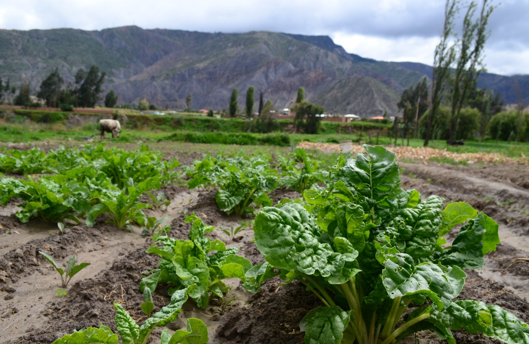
pixel 164 66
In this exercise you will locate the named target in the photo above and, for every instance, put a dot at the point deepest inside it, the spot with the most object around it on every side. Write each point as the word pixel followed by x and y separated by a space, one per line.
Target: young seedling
pixel 159 200
pixel 232 232
pixel 148 305
pixel 151 225
pixel 61 292
pixel 61 227
pixel 71 268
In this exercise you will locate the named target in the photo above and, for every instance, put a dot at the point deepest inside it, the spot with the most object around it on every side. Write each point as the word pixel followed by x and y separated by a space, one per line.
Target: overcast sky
pixel 389 30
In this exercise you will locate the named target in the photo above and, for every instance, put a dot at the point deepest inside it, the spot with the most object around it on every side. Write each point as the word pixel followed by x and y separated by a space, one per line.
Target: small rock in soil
pixel 9 297
pixel 9 289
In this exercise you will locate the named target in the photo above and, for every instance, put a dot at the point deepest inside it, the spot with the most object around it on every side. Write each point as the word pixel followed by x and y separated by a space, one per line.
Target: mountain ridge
pixel 164 66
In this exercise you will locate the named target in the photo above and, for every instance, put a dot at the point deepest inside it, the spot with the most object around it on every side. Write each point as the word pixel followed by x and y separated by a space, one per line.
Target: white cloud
pixel 415 49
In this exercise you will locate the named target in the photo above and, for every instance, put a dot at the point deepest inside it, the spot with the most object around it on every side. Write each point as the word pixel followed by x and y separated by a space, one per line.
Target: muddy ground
pixel 31 311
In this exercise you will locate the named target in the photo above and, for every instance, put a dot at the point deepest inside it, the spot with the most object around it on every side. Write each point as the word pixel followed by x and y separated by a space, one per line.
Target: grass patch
pixel 243 139
pixel 446 160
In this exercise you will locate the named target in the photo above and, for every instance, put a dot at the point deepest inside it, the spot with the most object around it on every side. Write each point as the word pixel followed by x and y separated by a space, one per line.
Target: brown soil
pixel 30 311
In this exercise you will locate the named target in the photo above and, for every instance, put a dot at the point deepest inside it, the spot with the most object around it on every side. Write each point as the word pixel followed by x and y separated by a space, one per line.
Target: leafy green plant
pixel 61 292
pixel 148 305
pixel 50 199
pixel 131 333
pixel 241 182
pixel 304 178
pixel 123 206
pixel 159 200
pixel 71 268
pixel 239 187
pixel 151 224
pixel 197 261
pixel 233 231
pixel 369 250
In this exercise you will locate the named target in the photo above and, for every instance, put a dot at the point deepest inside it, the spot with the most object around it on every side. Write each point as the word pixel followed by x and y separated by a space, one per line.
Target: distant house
pixel 203 111
pixel 378 117
pixel 351 117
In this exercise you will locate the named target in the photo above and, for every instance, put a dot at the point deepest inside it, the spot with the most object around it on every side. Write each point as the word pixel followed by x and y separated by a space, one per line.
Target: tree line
pixel 84 92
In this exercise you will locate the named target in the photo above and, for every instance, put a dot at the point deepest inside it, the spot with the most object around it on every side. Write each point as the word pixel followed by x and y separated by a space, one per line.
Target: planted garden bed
pixel 33 312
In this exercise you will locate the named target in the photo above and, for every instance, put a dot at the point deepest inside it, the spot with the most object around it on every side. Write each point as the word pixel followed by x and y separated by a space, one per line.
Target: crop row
pixel 373 253
pixel 73 184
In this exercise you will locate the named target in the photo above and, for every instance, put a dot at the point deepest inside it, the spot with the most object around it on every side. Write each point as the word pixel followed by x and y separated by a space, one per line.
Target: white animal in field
pixel 109 126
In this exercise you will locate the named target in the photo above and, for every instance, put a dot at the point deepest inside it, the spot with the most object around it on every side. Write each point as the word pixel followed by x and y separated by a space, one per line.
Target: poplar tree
pixel 469 60
pixel 444 55
pixel 301 95
pixel 250 99
pixel 233 102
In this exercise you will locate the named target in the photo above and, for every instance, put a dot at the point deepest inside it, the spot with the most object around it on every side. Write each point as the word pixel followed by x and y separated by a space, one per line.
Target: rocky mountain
pixel 164 66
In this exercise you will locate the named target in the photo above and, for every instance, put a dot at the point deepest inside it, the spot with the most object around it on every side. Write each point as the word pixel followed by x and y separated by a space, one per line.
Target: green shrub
pixel 42 116
pixel 466 127
pixel 242 139
pixel 66 107
pixel 504 123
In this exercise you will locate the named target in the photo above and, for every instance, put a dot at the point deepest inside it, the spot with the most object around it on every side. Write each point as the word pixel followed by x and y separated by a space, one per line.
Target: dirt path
pixel 29 283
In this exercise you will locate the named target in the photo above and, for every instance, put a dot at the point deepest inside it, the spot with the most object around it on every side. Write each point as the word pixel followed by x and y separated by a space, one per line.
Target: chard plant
pixel 132 333
pixel 197 261
pixel 49 199
pixel 233 231
pixel 159 201
pixel 304 178
pixel 242 182
pixel 71 268
pixel 240 188
pixel 376 257
pixel 123 206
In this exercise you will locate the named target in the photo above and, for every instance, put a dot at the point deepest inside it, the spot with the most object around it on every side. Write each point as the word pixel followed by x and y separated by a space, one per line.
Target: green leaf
pixel 257 275
pixel 227 201
pixel 197 333
pixel 165 315
pixel 477 317
pixel 52 262
pixel 147 306
pixel 478 237
pixel 401 278
pixel 374 176
pixel 126 326
pixel 91 335
pixel 455 214
pixel 506 327
pixel 77 268
pixel 92 215
pixel 325 325
pixel 288 239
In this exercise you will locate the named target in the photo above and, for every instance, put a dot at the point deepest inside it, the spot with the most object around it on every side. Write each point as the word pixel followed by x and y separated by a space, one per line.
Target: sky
pixel 387 30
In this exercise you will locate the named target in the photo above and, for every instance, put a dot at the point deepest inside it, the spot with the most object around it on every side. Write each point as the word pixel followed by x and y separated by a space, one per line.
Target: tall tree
pixel 488 104
pixel 444 55
pixel 233 102
pixel 250 99
pixel 469 60
pixel 301 95
pixel 111 99
pixel 23 97
pixel 90 86
pixel 416 97
pixel 189 99
pixel 307 118
pixel 50 88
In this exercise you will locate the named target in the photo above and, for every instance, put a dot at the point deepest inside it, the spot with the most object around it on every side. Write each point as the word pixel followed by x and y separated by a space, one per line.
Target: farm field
pixel 32 311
